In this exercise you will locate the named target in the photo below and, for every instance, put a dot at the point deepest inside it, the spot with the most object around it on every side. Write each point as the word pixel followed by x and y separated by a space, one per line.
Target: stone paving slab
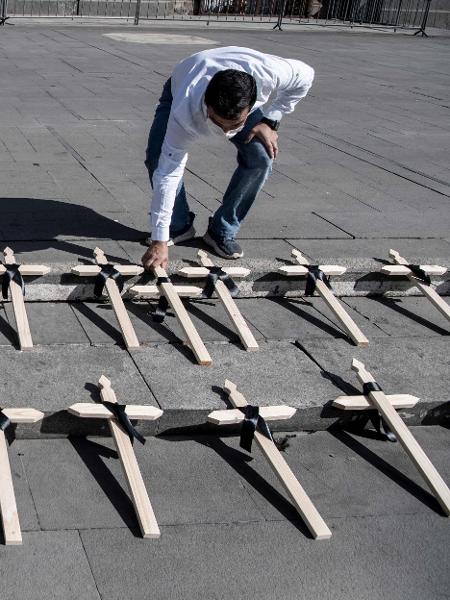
pixel 320 459
pixel 48 565
pixel 400 317
pixel 400 365
pixel 63 375
pixel 208 316
pixel 96 494
pixel 277 373
pixel 50 323
pixel 274 559
pixel 298 319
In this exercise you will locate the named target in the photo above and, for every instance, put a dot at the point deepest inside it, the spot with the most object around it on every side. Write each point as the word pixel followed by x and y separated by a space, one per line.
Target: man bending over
pixel 239 93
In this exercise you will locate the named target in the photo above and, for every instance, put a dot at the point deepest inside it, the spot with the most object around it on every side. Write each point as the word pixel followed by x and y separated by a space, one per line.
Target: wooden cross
pixel 301 269
pixel 301 500
pixel 129 335
pixel 402 267
pixel 386 405
pixel 222 291
pixel 172 293
pixel 144 511
pixel 8 506
pixel 17 296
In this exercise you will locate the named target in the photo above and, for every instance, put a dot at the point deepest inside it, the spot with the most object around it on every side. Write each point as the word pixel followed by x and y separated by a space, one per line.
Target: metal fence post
pixel 280 16
pixel 4 12
pixel 424 20
pixel 137 12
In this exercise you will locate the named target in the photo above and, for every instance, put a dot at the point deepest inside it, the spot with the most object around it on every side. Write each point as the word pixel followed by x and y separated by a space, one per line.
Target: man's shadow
pixel 38 224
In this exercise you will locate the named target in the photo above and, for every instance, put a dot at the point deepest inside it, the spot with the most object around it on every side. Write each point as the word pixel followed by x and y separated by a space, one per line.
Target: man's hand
pixel 156 256
pixel 268 137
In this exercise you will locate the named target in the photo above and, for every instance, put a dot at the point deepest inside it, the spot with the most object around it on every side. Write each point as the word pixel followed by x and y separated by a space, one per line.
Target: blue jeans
pixel 254 167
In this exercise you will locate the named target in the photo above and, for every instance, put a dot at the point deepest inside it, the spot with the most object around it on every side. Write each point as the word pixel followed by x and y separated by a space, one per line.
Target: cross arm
pixel 93 270
pixel 235 416
pixel 398 401
pixel 99 411
pixel 150 291
pixel 23 415
pixel 404 270
pixel 197 272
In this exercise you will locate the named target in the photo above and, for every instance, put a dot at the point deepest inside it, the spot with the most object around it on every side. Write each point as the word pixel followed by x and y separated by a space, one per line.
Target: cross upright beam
pixel 139 496
pixel 402 267
pixel 14 272
pixel 164 287
pixel 219 278
pixel 98 270
pixel 8 506
pixel 303 269
pixel 386 408
pixel 301 500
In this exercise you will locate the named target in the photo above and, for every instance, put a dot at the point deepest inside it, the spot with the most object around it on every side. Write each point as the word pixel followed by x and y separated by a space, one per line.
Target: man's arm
pixel 294 80
pixel 166 179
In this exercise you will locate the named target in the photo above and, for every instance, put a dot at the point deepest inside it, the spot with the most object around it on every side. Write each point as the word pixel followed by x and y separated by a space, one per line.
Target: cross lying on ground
pixel 170 295
pixel 8 506
pixel 317 281
pixel 420 276
pixel 386 405
pixel 110 277
pixel 253 421
pixel 219 280
pixel 12 279
pixel 123 432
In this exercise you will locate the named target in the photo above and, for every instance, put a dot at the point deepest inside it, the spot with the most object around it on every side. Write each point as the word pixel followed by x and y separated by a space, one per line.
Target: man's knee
pixel 257 157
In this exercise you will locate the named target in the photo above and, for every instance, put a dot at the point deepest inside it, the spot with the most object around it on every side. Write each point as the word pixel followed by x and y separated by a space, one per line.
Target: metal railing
pixel 368 13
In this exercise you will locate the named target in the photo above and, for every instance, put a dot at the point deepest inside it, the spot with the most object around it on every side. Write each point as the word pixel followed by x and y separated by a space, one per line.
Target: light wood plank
pixel 32 270
pixel 151 291
pixel 23 415
pixel 235 416
pixel 141 501
pixel 350 327
pixel 239 323
pixel 93 270
pixel 398 401
pixel 99 411
pixel 426 290
pixel 8 506
pixel 199 272
pixel 129 335
pixel 403 270
pixel 193 338
pixel 406 439
pixel 18 303
pixel 301 500
pixel 300 270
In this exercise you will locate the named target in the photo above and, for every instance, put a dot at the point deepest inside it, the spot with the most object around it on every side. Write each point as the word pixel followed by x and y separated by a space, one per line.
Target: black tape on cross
pixel 381 427
pixel 4 421
pixel 118 411
pixel 314 273
pixel 252 421
pixel 218 274
pixel 12 273
pixel 163 304
pixel 107 272
pixel 419 274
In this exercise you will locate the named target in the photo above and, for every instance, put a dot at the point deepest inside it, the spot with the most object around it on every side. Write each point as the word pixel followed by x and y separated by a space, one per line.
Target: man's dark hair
pixel 230 92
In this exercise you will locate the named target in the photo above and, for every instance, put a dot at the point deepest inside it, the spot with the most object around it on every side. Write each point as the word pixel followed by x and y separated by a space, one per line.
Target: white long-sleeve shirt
pixel 280 83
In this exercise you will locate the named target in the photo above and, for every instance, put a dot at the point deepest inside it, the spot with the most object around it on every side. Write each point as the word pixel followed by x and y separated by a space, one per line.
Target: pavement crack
pixel 89 564
pixel 334 225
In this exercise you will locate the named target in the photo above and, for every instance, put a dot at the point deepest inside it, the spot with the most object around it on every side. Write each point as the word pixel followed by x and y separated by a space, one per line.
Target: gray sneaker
pixel 225 248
